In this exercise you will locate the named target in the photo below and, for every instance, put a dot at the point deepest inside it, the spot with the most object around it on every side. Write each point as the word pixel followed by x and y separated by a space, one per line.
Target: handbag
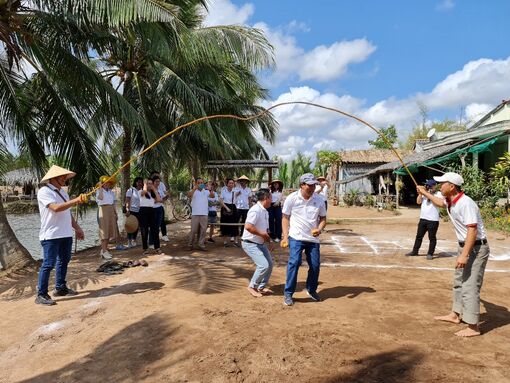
pixel 233 208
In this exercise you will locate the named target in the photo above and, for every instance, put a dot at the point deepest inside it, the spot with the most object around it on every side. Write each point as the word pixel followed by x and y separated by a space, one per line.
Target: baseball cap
pixel 451 177
pixel 430 183
pixel 308 178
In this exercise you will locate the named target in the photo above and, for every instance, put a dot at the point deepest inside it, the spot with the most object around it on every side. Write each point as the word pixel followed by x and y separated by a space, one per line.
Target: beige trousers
pixel 467 283
pixel 199 229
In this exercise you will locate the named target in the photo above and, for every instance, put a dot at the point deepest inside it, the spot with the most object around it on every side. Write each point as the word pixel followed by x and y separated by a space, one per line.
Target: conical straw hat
pixel 275 181
pixel 57 171
pixel 131 224
pixel 243 177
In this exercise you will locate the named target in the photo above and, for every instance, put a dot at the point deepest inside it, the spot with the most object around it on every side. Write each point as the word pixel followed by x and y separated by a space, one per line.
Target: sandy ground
pixel 188 317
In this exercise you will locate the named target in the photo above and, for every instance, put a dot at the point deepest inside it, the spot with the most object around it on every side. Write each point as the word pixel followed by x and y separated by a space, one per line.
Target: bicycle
pixel 181 208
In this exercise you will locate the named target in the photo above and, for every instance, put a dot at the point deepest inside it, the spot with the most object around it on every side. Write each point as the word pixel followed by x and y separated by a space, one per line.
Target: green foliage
pixel 369 201
pixel 289 172
pixel 420 131
pixel 352 198
pixel 390 138
pixel 179 181
pixel 500 175
pixel 328 157
pixel 496 218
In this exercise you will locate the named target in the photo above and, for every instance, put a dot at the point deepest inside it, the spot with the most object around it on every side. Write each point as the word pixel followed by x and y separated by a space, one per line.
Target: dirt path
pixel 188 317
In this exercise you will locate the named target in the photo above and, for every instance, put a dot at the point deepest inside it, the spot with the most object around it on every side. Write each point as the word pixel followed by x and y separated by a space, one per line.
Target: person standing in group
pixel 213 202
pixel 163 193
pixel 56 233
pixel 429 220
pixel 228 213
pixel 133 206
pixel 243 196
pixel 304 218
pixel 254 237
pixel 472 255
pixel 107 216
pixel 199 213
pixel 159 212
pixel 322 189
pixel 147 216
pixel 275 211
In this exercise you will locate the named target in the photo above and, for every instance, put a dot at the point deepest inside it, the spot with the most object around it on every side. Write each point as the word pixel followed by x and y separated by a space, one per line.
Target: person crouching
pixel 253 243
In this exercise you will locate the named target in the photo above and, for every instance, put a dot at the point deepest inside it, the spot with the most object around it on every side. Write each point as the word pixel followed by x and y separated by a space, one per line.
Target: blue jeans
pixel 313 257
pixel 262 258
pixel 57 252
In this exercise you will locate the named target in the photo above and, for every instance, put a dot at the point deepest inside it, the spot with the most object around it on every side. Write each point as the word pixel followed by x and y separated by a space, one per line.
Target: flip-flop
pixel 144 263
pixel 128 264
pixel 136 263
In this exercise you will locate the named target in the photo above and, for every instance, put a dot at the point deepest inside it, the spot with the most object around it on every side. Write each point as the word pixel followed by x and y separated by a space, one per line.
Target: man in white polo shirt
pixel 199 213
pixel 304 218
pixel 473 252
pixel 56 234
pixel 254 237
pixel 429 220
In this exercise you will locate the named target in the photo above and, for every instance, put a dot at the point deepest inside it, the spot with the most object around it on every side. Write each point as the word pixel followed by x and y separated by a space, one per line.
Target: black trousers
pixel 242 213
pixel 425 226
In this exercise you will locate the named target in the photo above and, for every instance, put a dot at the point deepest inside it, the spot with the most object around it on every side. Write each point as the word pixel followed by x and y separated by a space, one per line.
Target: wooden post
pixel 397 189
pixel 269 176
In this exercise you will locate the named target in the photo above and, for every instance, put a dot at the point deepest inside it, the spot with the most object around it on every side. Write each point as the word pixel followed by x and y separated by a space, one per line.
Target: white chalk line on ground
pixel 346 245
pixel 370 266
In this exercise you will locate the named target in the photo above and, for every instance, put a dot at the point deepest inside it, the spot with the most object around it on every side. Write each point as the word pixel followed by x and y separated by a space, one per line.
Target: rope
pixel 249 118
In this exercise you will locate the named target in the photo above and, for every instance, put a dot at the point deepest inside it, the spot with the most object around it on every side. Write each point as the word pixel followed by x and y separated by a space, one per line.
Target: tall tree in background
pixel 391 138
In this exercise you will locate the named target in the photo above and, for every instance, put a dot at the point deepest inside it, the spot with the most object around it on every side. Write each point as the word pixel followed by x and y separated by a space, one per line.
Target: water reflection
pixel 26 227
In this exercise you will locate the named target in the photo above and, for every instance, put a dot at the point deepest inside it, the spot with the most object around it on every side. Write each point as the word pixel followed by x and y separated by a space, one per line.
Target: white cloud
pixel 325 63
pixel 223 12
pixel 478 86
pixel 445 5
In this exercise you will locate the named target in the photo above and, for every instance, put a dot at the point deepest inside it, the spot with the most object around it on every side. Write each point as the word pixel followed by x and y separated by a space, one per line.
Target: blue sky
pixel 376 59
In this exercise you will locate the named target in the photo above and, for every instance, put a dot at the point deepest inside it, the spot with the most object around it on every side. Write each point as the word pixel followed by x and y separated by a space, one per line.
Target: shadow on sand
pixel 496 316
pixel 125 357
pixel 384 367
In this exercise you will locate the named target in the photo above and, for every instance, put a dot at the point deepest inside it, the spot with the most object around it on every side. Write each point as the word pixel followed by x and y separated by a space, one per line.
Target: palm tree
pixel 179 74
pixel 47 92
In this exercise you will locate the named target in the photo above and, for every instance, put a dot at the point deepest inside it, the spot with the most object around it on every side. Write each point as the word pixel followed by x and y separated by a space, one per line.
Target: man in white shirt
pixel 322 189
pixel 429 220
pixel 304 218
pixel 56 234
pixel 473 252
pixel 243 196
pixel 253 242
pixel 199 212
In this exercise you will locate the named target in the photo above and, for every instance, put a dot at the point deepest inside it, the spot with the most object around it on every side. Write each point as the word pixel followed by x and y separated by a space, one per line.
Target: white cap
pixel 451 177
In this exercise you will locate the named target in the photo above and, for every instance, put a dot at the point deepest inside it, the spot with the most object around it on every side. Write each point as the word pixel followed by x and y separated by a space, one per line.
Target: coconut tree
pixel 48 92
pixel 174 74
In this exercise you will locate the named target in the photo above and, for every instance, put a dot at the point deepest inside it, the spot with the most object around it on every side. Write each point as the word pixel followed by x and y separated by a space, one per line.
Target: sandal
pixel 144 263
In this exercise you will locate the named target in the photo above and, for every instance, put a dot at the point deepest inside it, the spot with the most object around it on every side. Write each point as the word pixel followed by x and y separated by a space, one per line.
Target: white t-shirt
pixel 226 195
pixel 465 213
pixel 429 211
pixel 53 225
pixel 108 197
pixel 146 202
pixel 304 215
pixel 243 199
pixel 258 217
pixel 323 193
pixel 276 197
pixel 199 202
pixel 213 202
pixel 134 202
pixel 162 194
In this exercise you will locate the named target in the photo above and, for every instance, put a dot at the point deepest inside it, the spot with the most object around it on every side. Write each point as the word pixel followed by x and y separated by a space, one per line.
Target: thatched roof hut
pixel 20 177
pixel 371 156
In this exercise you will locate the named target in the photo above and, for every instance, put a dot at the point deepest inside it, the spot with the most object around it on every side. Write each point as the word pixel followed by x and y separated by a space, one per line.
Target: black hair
pixel 154 172
pixel 262 194
pixel 229 179
pixel 135 181
pixel 274 188
pixel 154 178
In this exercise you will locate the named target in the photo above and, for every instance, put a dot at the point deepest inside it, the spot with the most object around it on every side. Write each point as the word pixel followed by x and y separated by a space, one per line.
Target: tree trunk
pixel 126 156
pixel 12 253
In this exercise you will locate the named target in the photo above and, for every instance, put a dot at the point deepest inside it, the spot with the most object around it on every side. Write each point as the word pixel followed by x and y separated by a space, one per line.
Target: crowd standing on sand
pixel 264 218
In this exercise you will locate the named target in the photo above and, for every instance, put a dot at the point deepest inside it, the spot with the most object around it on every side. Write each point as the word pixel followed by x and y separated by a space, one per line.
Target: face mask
pixel 201 186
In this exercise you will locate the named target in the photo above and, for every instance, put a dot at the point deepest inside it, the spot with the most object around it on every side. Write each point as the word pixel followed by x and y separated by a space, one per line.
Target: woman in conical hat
pixel 56 234
pixel 275 211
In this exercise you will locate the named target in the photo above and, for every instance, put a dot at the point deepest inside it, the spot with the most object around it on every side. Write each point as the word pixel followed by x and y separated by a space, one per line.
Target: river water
pixel 26 227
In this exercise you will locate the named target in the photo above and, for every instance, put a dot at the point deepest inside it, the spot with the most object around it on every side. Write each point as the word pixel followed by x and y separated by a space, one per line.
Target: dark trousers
pixel 132 236
pixel 163 223
pixel 56 252
pixel 159 222
pixel 275 221
pixel 148 223
pixel 242 213
pixel 425 226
